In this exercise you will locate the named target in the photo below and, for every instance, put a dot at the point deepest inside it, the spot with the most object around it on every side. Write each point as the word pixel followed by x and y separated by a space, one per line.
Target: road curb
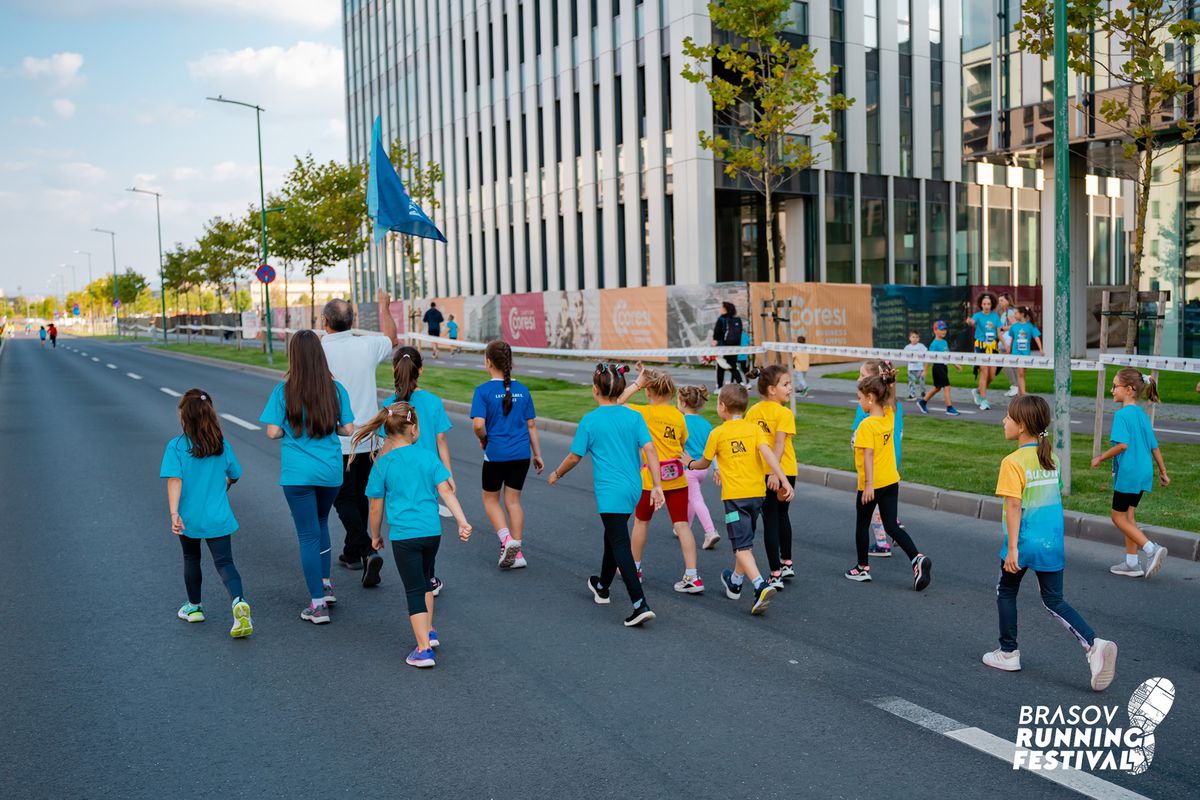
pixel 1078 525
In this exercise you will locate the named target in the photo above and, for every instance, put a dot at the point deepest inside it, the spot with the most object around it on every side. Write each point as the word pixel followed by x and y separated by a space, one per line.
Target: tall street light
pixel 162 280
pixel 116 299
pixel 74 282
pixel 91 321
pixel 262 204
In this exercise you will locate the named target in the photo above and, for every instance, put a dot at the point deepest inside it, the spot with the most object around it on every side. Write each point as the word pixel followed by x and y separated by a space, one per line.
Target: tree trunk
pixel 1139 241
pixel 312 298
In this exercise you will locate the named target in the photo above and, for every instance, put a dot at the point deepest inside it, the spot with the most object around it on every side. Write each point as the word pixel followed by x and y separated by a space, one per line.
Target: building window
pixel 837 20
pixel 937 234
pixel 937 145
pixel 874 229
pixel 968 235
pixel 906 116
pixel 904 26
pixel 795 18
pixel 906 231
pixel 1000 235
pixel 839 227
pixel 872 108
pixel 935 29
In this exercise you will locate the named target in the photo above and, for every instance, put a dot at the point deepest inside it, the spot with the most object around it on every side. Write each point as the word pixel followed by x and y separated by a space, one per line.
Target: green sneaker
pixel 191 613
pixel 242 624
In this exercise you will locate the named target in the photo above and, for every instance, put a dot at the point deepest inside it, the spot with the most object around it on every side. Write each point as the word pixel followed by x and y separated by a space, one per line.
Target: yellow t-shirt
pixel 876 433
pixel 734 443
pixel 773 418
pixel 800 362
pixel 668 430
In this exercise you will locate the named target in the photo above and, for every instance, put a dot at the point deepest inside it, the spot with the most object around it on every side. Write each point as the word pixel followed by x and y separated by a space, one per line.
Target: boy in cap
pixel 940 374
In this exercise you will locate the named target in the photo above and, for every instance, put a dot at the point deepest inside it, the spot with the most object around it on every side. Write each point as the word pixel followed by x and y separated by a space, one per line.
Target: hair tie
pixel 388 409
pixel 406 355
pixel 621 370
pixel 408 416
pixel 1146 378
pixel 1043 434
pixel 601 367
pixel 203 396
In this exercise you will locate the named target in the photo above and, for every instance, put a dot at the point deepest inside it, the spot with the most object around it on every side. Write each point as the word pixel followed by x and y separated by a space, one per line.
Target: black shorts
pixel 497 474
pixel 1123 501
pixel 740 518
pixel 941 376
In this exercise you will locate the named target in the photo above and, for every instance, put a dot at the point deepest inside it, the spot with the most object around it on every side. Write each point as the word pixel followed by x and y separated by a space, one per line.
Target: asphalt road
pixel 538 693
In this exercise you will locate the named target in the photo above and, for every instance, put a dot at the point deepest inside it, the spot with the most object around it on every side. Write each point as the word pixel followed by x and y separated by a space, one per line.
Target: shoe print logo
pixel 1148 707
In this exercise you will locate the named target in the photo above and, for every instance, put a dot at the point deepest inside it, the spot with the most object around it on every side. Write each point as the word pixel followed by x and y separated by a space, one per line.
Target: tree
pixel 765 94
pixel 325 206
pixel 129 285
pixel 1149 88
pixel 421 183
pixel 227 249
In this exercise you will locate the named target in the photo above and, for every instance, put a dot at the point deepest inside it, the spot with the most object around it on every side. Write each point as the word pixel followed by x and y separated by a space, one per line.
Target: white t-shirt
pixel 352 360
pixel 913 366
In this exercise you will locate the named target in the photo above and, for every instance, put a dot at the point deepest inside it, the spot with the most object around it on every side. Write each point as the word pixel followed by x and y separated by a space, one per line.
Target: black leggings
pixel 887 499
pixel 414 562
pixel 735 374
pixel 777 528
pixel 222 554
pixel 617 553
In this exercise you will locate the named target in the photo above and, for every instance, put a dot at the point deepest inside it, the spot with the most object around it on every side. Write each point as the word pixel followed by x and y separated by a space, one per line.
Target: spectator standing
pixel 433 318
pixel 727 332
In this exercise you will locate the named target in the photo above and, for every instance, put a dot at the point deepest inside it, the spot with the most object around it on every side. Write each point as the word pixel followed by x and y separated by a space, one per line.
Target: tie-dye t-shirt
pixel 1040 542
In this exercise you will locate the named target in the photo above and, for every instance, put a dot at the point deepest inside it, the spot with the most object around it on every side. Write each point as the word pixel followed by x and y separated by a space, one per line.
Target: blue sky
pixel 101 95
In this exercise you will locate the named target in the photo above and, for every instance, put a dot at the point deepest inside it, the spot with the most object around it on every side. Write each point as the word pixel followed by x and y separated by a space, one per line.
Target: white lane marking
pixel 171 392
pixel 240 422
pixel 134 375
pixel 537 371
pixel 83 354
pixel 111 366
pixel 1174 430
pixel 1084 783
pixel 95 359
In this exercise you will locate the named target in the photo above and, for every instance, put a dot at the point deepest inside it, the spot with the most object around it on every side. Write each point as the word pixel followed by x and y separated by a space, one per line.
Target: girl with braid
pixel 503 419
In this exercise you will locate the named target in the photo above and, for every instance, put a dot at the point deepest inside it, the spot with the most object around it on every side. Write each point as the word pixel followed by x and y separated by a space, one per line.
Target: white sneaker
pixel 1012 392
pixel 1126 570
pixel 508 553
pixel 1102 659
pixel 520 562
pixel 1155 561
pixel 998 659
pixel 975 396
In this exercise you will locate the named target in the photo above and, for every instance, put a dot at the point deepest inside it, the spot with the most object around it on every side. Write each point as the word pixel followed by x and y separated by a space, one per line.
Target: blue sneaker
pixel 732 591
pixel 921 404
pixel 433 638
pixel 420 658
pixel 951 411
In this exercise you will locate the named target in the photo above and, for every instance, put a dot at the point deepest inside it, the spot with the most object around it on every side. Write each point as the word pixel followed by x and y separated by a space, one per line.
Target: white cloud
pixel 82 170
pixel 15 166
pixel 37 122
pixel 64 108
pixel 185 174
pixel 61 69
pixel 305 78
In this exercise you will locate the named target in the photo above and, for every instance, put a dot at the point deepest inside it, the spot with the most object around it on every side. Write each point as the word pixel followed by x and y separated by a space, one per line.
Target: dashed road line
pixel 240 422
pixel 1175 430
pixel 111 366
pixel 1084 783
pixel 171 392
pixel 95 359
pixel 134 375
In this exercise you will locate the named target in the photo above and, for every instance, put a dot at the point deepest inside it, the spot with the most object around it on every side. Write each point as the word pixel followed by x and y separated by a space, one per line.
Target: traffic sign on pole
pixel 265 273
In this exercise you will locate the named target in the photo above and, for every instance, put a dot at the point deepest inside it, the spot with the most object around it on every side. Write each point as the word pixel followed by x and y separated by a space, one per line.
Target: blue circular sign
pixel 266 273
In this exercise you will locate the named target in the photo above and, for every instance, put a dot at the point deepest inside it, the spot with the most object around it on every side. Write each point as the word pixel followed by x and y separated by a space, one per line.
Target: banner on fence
pixel 897 309
pixel 250 326
pixel 693 310
pixel 835 314
pixel 572 319
pixel 633 319
pixel 523 319
pixel 483 317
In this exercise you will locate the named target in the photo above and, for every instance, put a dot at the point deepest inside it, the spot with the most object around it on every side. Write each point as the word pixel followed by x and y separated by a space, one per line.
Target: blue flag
pixel 388 204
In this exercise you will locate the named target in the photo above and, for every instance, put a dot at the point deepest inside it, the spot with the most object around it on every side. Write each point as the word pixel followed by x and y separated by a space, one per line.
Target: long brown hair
pixel 1033 414
pixel 406 369
pixel 200 424
pixel 500 354
pixel 693 398
pixel 768 376
pixel 393 420
pixel 658 383
pixel 309 396
pixel 887 373
pixel 1139 383
pixel 609 379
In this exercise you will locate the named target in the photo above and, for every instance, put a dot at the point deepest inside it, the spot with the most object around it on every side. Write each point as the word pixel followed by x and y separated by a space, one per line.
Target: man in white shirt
pixel 353 361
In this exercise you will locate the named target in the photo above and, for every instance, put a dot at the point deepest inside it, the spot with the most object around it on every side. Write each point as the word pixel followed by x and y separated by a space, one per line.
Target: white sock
pixel 690 573
pixel 737 579
pixel 502 534
pixel 637 564
pixel 1149 548
pixel 1131 559
pixel 317 601
pixel 328 584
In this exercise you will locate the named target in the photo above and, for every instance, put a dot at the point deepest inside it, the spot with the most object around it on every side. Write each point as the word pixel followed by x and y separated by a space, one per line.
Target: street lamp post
pixel 91 319
pixel 162 280
pixel 116 299
pixel 1062 253
pixel 262 205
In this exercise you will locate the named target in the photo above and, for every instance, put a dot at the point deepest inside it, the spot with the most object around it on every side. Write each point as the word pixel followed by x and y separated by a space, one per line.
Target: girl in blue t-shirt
pixel 406 371
pixel 692 400
pixel 404 486
pixel 308 411
pixel 1024 337
pixel 615 437
pixel 987 340
pixel 503 420
pixel 200 467
pixel 1135 454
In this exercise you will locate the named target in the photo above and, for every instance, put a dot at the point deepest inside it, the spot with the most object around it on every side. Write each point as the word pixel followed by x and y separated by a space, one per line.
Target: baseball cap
pixel 940 325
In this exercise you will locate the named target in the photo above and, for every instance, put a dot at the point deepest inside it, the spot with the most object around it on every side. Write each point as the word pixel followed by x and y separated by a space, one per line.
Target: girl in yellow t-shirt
pixel 879 480
pixel 668 430
pixel 773 416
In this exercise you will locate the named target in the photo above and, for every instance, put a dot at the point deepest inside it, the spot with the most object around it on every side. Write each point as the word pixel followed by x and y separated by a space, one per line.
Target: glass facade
pixel 906 231
pixel 874 229
pixel 839 227
pixel 937 234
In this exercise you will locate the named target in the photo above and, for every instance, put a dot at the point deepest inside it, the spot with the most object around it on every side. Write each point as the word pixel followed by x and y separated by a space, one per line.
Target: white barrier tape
pixel 1165 363
pixel 626 355
pixel 945 357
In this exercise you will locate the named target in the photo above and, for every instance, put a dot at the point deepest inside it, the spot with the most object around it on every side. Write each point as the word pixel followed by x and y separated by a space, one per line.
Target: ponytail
pixel 394 419
pixel 406 369
pixel 609 379
pixel 1142 385
pixel 884 370
pixel 500 354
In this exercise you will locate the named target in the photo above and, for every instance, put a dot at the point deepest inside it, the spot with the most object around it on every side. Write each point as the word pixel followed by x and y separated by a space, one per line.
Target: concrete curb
pixel 1180 544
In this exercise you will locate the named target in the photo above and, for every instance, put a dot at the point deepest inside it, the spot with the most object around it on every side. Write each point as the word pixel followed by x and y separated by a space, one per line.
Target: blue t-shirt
pixel 1040 538
pixel 431 417
pixel 303 460
pixel 939 346
pixel 897 433
pixel 507 436
pixel 452 327
pixel 1023 334
pixel 407 479
pixel 746 342
pixel 1133 470
pixel 204 502
pixel 984 333
pixel 698 429
pixel 614 437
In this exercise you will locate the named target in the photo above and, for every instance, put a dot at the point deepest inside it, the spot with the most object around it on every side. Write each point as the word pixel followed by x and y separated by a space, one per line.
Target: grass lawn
pixel 1173 387
pixel 951 454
